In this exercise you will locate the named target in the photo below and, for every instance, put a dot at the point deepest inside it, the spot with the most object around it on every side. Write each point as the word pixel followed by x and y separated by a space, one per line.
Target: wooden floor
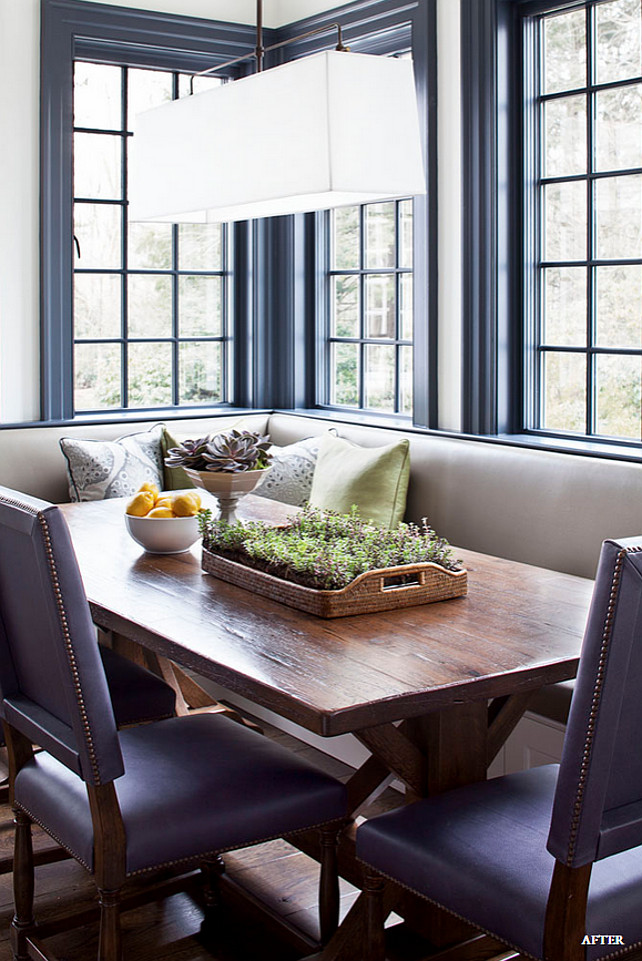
pixel 173 929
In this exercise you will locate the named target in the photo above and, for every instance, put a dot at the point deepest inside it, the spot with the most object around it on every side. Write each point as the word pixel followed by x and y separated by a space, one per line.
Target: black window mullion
pixel 533 191
pixel 124 370
pixel 226 315
pixel 590 223
pixel 362 307
pixel 175 288
pixel 176 307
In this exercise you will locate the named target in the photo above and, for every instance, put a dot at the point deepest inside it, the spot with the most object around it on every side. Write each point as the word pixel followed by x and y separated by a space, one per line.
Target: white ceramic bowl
pixel 163 535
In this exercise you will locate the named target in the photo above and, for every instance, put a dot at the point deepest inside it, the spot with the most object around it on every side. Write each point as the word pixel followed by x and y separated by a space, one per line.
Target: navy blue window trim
pixel 499 293
pixel 491 197
pixel 69 30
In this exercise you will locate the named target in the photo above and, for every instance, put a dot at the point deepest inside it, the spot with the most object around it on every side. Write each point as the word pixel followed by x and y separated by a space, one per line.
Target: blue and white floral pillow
pixel 98 469
pixel 290 479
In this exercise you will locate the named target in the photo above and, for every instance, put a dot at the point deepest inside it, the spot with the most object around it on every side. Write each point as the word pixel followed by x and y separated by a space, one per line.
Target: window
pixel 583 150
pixel 369 342
pixel 136 317
pixel 377 314
pixel 150 317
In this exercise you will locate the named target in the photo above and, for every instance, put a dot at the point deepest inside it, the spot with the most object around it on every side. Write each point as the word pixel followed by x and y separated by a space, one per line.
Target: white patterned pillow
pixel 290 479
pixel 99 469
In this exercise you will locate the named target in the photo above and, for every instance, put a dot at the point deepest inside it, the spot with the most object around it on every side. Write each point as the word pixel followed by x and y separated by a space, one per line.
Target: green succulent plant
pixel 237 451
pixel 231 451
pixel 323 549
pixel 188 454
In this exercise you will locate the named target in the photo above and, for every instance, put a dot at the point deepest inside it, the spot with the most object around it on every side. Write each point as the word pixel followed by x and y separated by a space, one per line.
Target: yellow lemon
pixel 164 501
pixel 161 512
pixel 141 504
pixel 184 505
pixel 150 488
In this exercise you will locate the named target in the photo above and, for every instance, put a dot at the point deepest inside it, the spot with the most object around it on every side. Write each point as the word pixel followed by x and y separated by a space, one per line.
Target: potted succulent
pixel 332 564
pixel 227 465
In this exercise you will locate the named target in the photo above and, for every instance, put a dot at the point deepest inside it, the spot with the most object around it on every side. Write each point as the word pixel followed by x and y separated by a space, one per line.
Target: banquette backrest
pixel 548 509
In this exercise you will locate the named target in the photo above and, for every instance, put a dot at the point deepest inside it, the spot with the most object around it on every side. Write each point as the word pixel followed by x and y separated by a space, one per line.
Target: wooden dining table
pixel 431 691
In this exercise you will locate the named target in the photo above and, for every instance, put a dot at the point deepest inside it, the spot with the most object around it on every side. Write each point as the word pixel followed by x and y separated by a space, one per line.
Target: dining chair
pixel 137 694
pixel 549 860
pixel 167 795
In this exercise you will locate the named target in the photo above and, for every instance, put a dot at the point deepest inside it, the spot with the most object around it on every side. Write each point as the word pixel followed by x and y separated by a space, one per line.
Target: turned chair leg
pixel 213 869
pixel 328 885
pixel 109 943
pixel 375 946
pixel 23 884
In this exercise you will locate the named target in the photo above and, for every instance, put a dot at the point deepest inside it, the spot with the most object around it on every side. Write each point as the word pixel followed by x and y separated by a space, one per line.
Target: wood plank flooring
pixel 173 929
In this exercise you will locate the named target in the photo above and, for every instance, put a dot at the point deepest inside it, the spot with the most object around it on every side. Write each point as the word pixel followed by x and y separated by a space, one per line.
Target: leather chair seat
pixel 174 806
pixel 480 852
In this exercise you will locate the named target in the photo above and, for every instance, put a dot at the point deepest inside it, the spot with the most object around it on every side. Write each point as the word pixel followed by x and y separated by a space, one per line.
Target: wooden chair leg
pixel 375 946
pixel 328 885
pixel 23 886
pixel 213 870
pixel 110 942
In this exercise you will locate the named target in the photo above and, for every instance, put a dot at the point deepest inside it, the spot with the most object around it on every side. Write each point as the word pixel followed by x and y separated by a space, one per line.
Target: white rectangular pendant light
pixel 324 131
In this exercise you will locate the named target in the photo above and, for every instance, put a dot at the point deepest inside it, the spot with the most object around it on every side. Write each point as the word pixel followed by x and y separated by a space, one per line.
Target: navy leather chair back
pixel 598 802
pixel 52 680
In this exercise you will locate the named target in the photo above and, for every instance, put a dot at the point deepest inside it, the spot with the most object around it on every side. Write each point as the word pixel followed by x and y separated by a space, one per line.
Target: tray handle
pixel 387 583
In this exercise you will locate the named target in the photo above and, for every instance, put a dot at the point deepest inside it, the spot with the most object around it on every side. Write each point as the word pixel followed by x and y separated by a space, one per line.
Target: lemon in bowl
pixel 155 524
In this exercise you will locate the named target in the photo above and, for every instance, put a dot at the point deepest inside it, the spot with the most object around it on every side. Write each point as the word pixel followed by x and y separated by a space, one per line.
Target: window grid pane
pixel 150 300
pixel 584 368
pixel 370 328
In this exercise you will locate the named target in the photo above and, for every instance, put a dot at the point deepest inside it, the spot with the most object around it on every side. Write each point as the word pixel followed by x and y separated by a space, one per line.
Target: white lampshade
pixel 324 131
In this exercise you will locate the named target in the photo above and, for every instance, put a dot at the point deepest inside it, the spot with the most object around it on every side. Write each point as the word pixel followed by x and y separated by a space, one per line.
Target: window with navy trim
pixel 369 340
pixel 583 220
pixel 150 302
pixel 134 317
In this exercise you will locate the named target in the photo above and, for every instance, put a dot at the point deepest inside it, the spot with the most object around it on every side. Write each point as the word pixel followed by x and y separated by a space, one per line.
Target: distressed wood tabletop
pixel 519 628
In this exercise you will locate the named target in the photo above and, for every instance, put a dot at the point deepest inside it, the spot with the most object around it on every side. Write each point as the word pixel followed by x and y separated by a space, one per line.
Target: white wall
pixel 19 283
pixel 19 189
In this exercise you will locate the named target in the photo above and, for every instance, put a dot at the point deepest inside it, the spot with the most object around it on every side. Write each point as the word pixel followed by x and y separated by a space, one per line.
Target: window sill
pixel 569 445
pixel 560 445
pixel 141 416
pixel 365 418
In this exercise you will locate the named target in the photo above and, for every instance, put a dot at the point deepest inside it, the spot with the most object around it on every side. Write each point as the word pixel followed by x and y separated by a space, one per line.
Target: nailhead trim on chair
pixel 606 957
pixel 235 847
pixel 597 695
pixel 194 858
pixel 53 836
pixel 69 646
pixel 454 914
pixel 64 625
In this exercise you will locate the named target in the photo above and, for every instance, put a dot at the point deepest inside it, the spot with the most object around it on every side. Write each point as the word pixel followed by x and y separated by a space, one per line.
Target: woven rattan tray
pixel 375 591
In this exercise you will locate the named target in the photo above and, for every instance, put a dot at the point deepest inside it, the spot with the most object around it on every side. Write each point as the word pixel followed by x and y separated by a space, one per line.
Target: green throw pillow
pixel 373 478
pixel 174 478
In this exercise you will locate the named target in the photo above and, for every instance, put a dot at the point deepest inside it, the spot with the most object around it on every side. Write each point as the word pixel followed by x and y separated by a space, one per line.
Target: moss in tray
pixel 322 549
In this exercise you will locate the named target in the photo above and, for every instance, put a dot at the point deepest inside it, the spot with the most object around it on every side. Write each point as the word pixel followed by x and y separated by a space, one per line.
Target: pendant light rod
pixel 259 51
